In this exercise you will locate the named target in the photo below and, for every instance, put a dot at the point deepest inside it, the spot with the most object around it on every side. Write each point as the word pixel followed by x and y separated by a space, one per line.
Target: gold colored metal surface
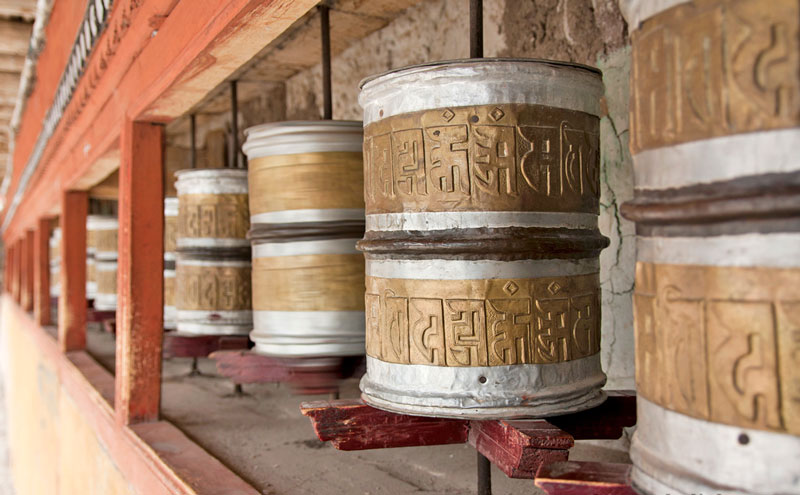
pixel 169 291
pixel 106 281
pixel 483 322
pixel 720 343
pixel 306 181
pixel 314 282
pixel 209 288
pixel 91 239
pixel 106 240
pixel 170 233
pixel 223 216
pixel 483 158
pixel 91 272
pixel 713 68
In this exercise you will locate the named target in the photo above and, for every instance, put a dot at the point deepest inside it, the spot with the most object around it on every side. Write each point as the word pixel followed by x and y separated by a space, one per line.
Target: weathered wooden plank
pixel 72 303
pixel 41 290
pixel 353 425
pixel 585 478
pixel 605 421
pixel 519 448
pixel 140 273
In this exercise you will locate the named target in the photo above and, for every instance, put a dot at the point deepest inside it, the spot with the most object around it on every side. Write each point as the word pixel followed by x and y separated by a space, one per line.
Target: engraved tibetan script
pixel 483 158
pixel 210 288
pixel 213 216
pixel 715 67
pixel 483 322
pixel 720 343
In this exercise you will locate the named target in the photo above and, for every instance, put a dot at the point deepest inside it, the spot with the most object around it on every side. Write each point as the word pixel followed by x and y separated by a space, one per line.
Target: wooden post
pixel 41 276
pixel 17 270
pixel 140 273
pixel 27 294
pixel 72 301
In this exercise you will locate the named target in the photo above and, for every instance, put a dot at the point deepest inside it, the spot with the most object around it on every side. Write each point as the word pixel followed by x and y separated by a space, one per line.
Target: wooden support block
pixel 41 276
pixel 604 422
pixel 72 303
pixel 140 273
pixel 242 367
pixel 585 478
pixel 353 425
pixel 200 346
pixel 519 448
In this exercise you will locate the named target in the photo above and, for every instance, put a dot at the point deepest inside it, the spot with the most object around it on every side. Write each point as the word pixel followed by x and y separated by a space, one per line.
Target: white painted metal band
pixel 106 266
pixel 308 333
pixel 486 392
pixel 677 454
pixel 717 159
pixel 211 181
pixel 447 220
pixel 300 248
pixel 780 250
pixel 107 256
pixel 170 317
pixel 170 207
pixel 91 289
pixel 214 322
pixel 455 269
pixel 308 215
pixel 293 137
pixel 482 82
pixel 638 11
pixel 169 273
pixel 170 256
pixel 210 242
pixel 105 302
pixel 101 222
pixel 203 328
pixel 182 261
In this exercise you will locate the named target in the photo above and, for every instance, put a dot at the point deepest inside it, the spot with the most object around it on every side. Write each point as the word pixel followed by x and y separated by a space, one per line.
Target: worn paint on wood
pixel 72 303
pixel 585 478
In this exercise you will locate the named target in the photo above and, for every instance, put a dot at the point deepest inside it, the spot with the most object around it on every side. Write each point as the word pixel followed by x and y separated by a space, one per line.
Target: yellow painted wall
pixel 53 449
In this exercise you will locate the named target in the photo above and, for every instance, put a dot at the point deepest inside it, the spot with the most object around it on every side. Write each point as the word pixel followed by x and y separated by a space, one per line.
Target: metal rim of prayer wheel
pixel 103 232
pixel 466 240
pixel 718 237
pixel 106 297
pixel 307 213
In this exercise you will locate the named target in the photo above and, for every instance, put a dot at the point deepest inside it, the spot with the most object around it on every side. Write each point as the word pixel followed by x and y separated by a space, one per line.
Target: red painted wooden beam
pixel 41 276
pixel 585 478
pixel 353 425
pixel 72 303
pixel 27 294
pixel 140 279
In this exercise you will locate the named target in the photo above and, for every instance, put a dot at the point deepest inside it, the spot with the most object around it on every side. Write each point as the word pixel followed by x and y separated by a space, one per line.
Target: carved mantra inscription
pixel 720 343
pixel 306 181
pixel 713 68
pixel 483 322
pixel 106 281
pixel 212 288
pixel 170 233
pixel 91 271
pixel 222 216
pixel 106 240
pixel 483 158
pixel 169 291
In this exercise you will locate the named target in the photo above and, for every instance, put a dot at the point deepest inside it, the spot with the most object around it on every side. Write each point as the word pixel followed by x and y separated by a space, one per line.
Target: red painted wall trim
pixel 72 303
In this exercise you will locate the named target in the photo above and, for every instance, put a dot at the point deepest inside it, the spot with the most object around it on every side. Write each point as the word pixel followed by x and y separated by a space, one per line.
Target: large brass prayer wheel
pixel 170 255
pixel 481 244
pixel 101 244
pixel 105 298
pixel 714 133
pixel 212 272
pixel 307 213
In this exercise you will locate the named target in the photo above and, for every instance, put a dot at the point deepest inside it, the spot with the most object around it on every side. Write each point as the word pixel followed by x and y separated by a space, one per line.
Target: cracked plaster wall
pixel 585 31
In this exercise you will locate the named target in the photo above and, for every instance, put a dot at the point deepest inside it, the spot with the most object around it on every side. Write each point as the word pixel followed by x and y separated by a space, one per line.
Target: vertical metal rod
pixel 476 28
pixel 193 137
pixel 484 475
pixel 234 126
pixel 327 99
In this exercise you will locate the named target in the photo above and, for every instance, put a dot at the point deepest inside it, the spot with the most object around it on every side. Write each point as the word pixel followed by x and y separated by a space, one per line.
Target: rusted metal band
pixel 304 231
pixel 315 181
pixel 714 68
pixel 492 322
pixel 720 343
pixel 212 285
pixel 503 157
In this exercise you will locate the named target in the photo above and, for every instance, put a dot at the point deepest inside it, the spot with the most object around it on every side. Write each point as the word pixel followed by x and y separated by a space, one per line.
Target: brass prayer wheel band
pixel 212 285
pixel 712 68
pixel 221 216
pixel 495 157
pixel 720 343
pixel 322 180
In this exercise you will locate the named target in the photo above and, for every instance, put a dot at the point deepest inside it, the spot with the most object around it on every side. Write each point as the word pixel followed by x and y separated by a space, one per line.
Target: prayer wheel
pixel 101 243
pixel 55 262
pixel 106 297
pixel 212 270
pixel 170 245
pixel 482 244
pixel 307 213
pixel 715 110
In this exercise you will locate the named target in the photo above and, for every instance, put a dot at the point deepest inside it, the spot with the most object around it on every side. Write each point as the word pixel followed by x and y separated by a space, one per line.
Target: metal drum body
pixel 717 298
pixel 101 244
pixel 106 297
pixel 482 189
pixel 170 255
pixel 212 270
pixel 55 262
pixel 307 213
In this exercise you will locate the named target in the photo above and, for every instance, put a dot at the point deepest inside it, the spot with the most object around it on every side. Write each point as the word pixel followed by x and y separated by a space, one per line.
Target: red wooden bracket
pixel 585 478
pixel 197 346
pixel 304 375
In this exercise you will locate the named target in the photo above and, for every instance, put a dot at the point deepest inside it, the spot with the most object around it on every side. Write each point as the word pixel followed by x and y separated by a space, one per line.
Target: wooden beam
pixel 585 478
pixel 72 302
pixel 140 279
pixel 18 271
pixel 41 276
pixel 27 272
